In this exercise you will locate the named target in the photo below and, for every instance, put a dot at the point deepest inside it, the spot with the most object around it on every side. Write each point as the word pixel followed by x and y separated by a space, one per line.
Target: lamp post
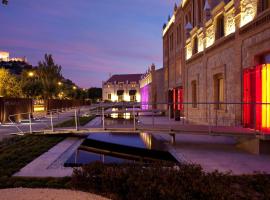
pixel 31 74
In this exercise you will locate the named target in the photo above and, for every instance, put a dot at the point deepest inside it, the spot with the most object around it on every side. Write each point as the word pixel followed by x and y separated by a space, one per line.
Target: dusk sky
pixel 89 38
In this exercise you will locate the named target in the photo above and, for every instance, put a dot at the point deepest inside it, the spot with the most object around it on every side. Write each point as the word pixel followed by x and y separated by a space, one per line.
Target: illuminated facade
pixel 122 88
pixel 206 49
pixel 151 88
pixel 4 56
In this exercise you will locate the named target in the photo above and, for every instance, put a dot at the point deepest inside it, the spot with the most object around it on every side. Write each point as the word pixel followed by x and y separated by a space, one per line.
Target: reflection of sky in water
pixel 84 157
pixel 133 140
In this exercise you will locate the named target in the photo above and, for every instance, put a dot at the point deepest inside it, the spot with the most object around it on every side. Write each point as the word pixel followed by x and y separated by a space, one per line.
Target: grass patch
pixel 71 122
pixel 18 151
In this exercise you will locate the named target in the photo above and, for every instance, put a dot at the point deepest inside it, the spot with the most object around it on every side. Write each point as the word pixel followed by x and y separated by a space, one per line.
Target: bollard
pixel 134 119
pixel 30 123
pixel 103 119
pixel 172 138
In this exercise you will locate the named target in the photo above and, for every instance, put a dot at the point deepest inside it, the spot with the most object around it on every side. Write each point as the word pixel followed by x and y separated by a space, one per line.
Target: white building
pixel 122 87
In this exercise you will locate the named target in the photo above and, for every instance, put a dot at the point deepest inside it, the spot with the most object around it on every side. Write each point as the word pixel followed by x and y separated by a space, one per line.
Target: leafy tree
pixel 31 85
pixel 9 84
pixel 94 93
pixel 49 75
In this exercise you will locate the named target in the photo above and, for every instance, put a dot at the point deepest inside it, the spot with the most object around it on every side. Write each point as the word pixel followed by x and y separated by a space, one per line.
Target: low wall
pixel 53 104
pixel 11 106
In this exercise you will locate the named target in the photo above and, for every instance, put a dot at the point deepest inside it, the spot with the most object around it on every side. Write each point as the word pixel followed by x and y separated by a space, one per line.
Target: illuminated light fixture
pixel 256 85
pixel 184 2
pixel 266 96
pixel 60 83
pixel 172 20
pixel 248 13
pixel 74 88
pixel 31 74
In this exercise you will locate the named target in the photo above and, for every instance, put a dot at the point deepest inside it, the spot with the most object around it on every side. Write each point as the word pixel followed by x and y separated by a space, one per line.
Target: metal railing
pixel 207 117
pixel 46 121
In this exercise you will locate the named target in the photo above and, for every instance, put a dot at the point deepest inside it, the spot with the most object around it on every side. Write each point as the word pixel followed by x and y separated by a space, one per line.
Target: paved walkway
pixel 41 123
pixel 216 153
pixel 51 163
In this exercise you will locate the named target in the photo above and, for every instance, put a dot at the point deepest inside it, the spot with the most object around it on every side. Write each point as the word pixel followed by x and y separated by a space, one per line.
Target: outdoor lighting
pixel 74 88
pixel 60 83
pixel 256 84
pixel 31 74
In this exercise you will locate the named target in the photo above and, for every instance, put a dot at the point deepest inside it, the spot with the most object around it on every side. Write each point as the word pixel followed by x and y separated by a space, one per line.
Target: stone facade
pixel 122 88
pixel 219 39
pixel 152 88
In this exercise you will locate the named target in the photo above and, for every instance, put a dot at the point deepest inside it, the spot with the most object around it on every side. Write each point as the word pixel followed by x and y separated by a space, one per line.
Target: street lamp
pixel 60 83
pixel 31 74
pixel 74 88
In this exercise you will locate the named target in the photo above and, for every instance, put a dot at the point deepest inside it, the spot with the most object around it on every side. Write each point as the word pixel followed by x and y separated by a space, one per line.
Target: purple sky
pixel 89 38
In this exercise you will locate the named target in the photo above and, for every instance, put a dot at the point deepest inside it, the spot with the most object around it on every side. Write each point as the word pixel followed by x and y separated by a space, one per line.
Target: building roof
pixel 124 78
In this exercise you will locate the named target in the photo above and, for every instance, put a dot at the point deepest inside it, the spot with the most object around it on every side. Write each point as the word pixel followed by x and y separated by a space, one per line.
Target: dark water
pixel 119 148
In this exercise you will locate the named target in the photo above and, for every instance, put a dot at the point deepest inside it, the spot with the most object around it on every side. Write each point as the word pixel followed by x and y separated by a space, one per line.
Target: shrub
pixel 166 181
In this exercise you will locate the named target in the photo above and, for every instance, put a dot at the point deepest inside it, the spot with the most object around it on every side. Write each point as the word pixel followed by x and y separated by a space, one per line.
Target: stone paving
pixel 216 153
pixel 51 163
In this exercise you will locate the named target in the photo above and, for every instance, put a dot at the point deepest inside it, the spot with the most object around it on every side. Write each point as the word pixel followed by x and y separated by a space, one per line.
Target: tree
pixel 9 84
pixel 94 93
pixel 49 75
pixel 31 85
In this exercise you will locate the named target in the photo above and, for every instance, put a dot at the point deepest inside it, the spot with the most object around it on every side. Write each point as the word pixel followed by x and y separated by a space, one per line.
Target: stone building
pixel 151 89
pixel 208 45
pixel 122 88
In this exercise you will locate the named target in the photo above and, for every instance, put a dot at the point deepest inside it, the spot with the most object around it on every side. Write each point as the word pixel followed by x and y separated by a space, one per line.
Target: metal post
pixel 209 122
pixel 134 119
pixel 153 122
pixel 76 120
pixel 52 121
pixel 103 118
pixel 169 112
pixel 30 123
pixel 216 117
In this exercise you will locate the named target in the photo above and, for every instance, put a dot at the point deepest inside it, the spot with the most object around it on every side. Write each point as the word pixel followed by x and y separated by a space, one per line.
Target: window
pixel 194 94
pixel 263 5
pixel 219 91
pixel 195 46
pixel 133 98
pixel 220 27
pixel 121 84
pixel 133 84
pixel 109 96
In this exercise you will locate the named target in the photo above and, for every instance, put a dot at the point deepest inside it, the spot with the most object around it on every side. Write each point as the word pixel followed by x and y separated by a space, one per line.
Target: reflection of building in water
pixel 122 88
pixel 122 115
pixel 147 139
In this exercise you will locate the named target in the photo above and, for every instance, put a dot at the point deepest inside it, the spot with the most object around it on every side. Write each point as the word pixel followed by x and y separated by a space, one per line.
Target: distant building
pixel 151 89
pixel 122 88
pixel 14 65
pixel 4 56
